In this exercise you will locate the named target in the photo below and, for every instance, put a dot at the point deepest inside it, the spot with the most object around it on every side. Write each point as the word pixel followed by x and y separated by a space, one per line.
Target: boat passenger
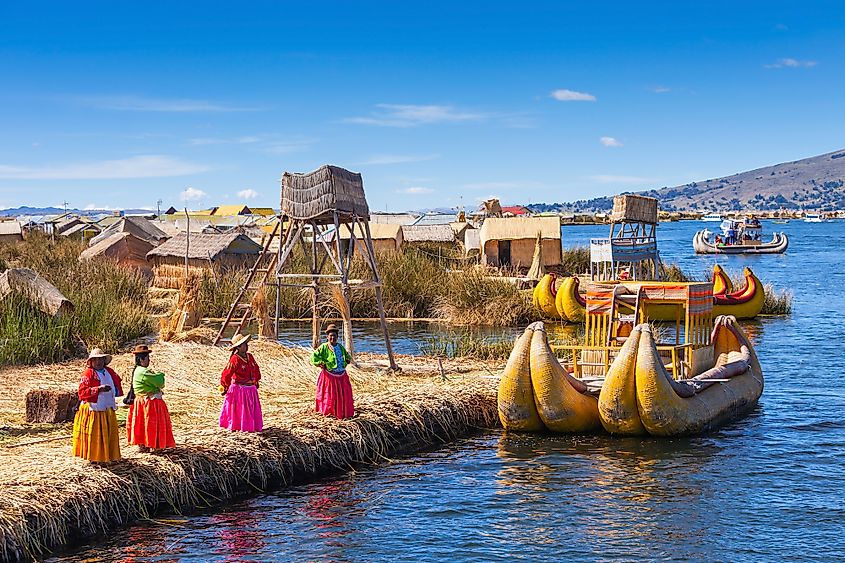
pixel 95 433
pixel 334 391
pixel 148 424
pixel 239 383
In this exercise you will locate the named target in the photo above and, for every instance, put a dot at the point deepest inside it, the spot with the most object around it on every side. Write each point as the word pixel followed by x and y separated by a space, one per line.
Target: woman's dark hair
pixel 139 357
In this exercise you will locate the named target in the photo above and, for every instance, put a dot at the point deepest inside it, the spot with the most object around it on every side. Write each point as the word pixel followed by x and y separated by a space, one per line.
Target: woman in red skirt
pixel 148 424
pixel 334 391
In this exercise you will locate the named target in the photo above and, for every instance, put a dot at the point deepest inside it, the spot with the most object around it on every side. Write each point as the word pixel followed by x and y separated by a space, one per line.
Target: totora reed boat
pixel 630 377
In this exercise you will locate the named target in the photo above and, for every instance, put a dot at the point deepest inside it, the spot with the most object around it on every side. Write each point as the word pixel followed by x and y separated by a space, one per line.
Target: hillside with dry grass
pixel 814 183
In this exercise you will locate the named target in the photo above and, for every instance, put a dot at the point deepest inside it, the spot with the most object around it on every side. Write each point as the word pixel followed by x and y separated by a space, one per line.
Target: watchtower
pixel 630 252
pixel 315 207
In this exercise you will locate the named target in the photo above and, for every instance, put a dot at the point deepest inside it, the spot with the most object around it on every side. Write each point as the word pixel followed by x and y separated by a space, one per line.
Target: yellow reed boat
pixel 680 378
pixel 537 393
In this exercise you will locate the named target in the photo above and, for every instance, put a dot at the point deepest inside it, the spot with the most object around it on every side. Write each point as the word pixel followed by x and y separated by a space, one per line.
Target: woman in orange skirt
pixel 148 424
pixel 95 433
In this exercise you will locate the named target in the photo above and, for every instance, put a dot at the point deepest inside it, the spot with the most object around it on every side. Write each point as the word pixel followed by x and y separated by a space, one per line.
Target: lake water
pixel 769 486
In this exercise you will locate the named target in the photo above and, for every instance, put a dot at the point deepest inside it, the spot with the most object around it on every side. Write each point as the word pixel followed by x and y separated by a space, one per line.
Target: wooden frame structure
pixel 632 244
pixel 314 208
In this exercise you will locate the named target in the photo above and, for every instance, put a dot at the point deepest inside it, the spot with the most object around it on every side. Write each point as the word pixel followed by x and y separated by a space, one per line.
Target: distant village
pixel 233 235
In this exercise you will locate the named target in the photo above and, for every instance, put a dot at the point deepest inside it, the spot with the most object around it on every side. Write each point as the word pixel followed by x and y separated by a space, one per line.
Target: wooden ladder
pixel 617 319
pixel 242 307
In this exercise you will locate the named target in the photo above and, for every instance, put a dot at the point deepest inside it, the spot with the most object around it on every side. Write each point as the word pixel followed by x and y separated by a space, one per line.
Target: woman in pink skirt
pixel 334 392
pixel 239 384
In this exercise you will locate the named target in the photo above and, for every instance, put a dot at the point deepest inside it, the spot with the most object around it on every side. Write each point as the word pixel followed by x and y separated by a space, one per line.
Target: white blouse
pixel 105 399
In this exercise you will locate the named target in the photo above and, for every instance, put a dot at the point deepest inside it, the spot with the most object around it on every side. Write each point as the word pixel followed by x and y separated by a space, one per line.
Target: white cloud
pixel 248 193
pixel 416 190
pixel 144 166
pixel 93 206
pixel 401 115
pixel 397 158
pixel 168 105
pixel 572 96
pixel 660 89
pixel 791 63
pixel 614 179
pixel 192 194
pixel 202 141
pixel 610 142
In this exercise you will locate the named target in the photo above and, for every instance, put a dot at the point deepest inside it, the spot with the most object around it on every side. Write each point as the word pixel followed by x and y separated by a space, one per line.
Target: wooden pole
pixel 187 240
pixel 372 257
pixel 315 318
pixel 344 287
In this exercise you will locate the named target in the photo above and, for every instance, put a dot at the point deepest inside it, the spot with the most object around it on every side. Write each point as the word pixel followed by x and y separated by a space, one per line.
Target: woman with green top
pixel 334 391
pixel 148 424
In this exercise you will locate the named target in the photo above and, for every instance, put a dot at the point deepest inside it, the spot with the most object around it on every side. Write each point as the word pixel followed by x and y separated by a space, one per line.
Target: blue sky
pixel 200 104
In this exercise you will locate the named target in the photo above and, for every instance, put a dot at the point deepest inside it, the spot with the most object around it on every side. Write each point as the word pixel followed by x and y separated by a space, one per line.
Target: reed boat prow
pixel 730 388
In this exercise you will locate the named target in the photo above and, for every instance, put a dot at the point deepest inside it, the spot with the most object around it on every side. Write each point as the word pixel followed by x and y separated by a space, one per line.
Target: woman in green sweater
pixel 148 425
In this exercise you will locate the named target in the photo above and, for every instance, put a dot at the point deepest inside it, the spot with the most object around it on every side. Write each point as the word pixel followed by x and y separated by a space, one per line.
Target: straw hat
pixel 141 349
pixel 331 328
pixel 97 353
pixel 239 339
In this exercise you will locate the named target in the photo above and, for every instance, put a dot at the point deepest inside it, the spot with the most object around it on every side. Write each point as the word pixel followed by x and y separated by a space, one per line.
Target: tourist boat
pixel 813 218
pixel 689 380
pixel 712 218
pixel 739 237
pixel 781 221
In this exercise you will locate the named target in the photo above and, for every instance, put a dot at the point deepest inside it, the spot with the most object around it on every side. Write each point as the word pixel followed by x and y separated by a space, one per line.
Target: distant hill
pixel 25 210
pixel 816 183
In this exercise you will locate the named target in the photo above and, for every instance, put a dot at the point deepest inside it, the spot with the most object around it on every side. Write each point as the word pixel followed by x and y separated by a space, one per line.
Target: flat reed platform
pixel 51 499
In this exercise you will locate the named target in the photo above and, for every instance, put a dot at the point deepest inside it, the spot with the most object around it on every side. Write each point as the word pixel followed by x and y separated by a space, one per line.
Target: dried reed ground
pixel 50 498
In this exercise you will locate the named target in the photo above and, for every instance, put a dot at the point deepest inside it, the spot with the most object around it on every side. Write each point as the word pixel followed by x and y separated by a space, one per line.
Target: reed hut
pixel 138 227
pixel 218 252
pixel 123 247
pixel 386 238
pixel 10 232
pixel 460 228
pixel 428 235
pixel 510 241
pixel 81 230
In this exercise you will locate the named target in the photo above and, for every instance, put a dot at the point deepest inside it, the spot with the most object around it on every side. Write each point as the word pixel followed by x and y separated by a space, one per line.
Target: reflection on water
pixel 767 487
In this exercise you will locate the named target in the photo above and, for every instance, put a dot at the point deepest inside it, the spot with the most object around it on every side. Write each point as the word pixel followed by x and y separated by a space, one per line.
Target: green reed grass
pixel 777 302
pixel 466 345
pixel 111 304
pixel 575 260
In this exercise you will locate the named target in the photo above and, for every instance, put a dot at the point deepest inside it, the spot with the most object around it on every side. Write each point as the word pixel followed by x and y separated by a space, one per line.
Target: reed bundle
pixel 186 315
pixel 50 500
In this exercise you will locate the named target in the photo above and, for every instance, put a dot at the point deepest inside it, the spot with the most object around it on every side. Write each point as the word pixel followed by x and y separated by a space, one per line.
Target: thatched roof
pixel 378 231
pixel 10 228
pixel 206 246
pixel 139 227
pixel 428 233
pixel 79 229
pixel 316 194
pixel 118 245
pixel 516 228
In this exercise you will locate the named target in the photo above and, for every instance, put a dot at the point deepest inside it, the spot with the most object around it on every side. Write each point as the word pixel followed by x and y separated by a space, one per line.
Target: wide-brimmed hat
pixel 331 328
pixel 97 353
pixel 141 349
pixel 239 339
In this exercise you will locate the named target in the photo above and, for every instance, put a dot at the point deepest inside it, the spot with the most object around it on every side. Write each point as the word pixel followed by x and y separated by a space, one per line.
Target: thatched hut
pixel 219 252
pixel 10 231
pixel 428 235
pixel 460 229
pixel 80 230
pixel 138 227
pixel 386 238
pixel 123 247
pixel 510 241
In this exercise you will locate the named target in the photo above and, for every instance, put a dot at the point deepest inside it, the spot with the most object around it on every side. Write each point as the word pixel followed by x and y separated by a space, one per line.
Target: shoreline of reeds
pixel 54 501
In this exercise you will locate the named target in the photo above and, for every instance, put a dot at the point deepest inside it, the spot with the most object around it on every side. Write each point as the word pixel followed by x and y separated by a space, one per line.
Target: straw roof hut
pixel 220 252
pixel 460 228
pixel 386 238
pixel 10 231
pixel 80 230
pixel 317 195
pixel 510 241
pixel 439 235
pixel 231 210
pixel 123 247
pixel 139 227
